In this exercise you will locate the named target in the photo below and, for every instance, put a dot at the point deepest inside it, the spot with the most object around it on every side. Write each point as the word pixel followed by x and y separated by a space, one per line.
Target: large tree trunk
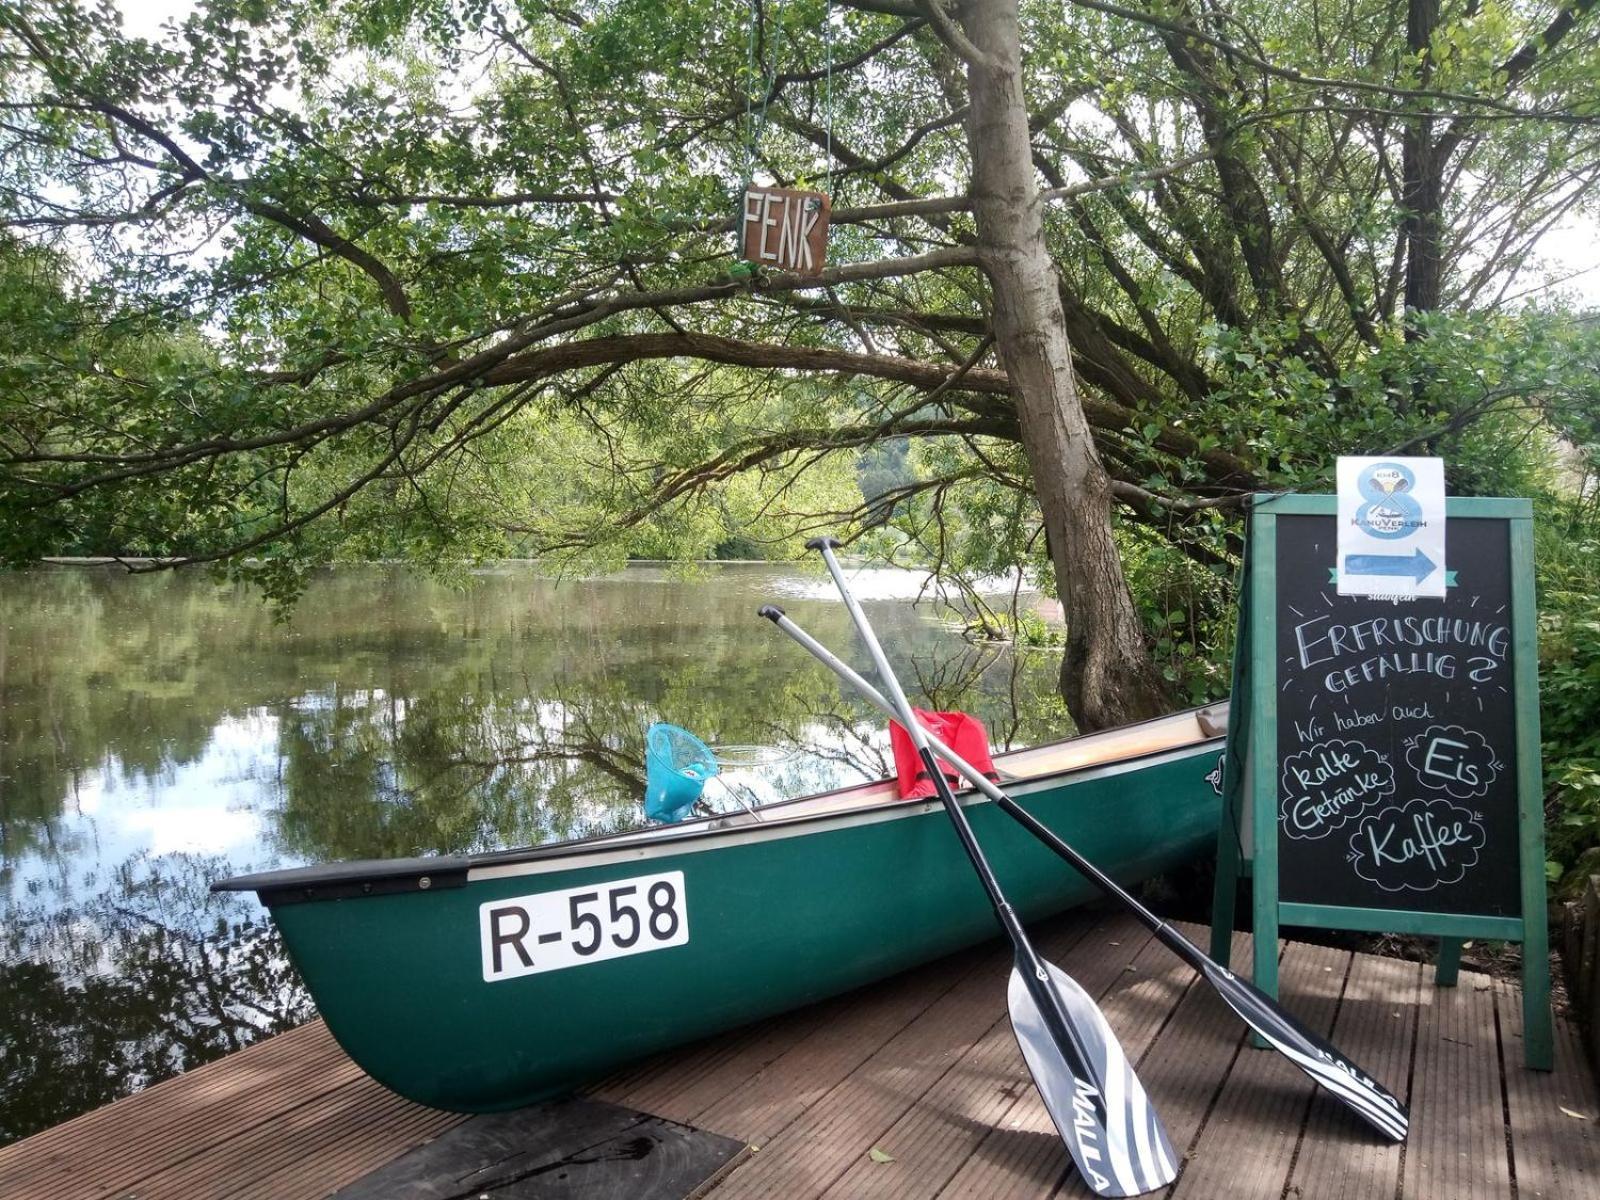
pixel 1108 676
pixel 1422 196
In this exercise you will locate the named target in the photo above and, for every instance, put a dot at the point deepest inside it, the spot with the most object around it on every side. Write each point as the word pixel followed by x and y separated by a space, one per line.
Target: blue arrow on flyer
pixel 1416 564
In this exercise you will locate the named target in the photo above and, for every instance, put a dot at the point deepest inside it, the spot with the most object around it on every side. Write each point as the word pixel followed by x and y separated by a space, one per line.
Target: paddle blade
pixel 1089 1088
pixel 1314 1055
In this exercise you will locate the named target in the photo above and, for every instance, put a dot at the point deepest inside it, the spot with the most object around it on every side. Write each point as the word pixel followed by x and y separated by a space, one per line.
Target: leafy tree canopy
pixel 447 280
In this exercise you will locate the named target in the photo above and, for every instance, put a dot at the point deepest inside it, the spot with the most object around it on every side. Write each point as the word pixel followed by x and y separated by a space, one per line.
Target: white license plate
pixel 554 930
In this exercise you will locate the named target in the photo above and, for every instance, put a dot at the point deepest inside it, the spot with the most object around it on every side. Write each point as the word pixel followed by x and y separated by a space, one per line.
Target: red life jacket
pixel 962 733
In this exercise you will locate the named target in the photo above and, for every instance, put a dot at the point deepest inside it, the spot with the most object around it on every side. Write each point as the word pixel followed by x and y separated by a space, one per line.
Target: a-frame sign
pixel 1383 762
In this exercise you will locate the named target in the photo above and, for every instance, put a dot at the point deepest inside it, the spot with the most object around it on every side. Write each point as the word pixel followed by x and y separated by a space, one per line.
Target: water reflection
pixel 159 732
pixel 139 976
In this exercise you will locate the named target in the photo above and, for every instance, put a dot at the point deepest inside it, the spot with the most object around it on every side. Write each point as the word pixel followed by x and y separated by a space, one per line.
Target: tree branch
pixel 1290 74
pixel 1220 465
pixel 952 36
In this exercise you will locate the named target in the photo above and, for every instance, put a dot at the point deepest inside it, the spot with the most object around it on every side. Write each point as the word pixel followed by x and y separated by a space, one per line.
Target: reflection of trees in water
pixel 1018 702
pixel 993 682
pixel 464 767
pixel 150 977
pixel 97 675
pixel 457 771
pixel 413 718
pixel 391 716
pixel 453 771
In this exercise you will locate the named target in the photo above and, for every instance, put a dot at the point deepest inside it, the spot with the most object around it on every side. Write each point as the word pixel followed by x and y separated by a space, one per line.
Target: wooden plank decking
pixel 923 1068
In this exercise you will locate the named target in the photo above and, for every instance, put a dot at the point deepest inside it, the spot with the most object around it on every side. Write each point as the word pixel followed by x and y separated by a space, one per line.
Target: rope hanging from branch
pixel 781 228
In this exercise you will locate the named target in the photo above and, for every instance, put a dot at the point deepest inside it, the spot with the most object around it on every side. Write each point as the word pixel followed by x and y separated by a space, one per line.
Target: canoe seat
pixel 1213 720
pixel 730 820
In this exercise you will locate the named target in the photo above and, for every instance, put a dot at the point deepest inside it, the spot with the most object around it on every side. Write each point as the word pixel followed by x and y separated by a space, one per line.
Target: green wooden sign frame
pixel 1247 843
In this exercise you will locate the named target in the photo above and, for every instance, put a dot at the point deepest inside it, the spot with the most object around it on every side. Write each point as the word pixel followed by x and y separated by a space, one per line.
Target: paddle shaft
pixel 1170 937
pixel 1309 1051
pixel 1027 958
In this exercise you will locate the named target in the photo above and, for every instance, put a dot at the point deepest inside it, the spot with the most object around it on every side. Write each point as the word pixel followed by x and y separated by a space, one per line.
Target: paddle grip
pixel 771 612
pixel 820 543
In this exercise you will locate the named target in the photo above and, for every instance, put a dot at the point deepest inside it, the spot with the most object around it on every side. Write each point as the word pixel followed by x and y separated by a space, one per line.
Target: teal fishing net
pixel 677 765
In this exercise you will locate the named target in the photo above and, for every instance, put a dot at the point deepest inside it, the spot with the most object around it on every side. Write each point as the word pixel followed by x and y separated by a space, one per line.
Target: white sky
pixel 144 18
pixel 1571 253
pixel 210 805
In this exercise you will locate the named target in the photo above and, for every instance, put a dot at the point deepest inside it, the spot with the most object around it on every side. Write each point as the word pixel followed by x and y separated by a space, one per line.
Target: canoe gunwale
pixel 372 877
pixel 600 853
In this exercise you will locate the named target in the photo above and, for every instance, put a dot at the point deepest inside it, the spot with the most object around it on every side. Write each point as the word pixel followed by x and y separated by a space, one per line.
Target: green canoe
pixel 491 981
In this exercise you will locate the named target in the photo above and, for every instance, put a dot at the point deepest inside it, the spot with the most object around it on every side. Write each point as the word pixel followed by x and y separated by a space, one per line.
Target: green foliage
pixel 1187 606
pixel 1569 683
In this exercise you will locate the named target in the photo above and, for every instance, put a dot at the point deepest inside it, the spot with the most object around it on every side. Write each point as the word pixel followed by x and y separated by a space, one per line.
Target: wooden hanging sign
pixel 785 229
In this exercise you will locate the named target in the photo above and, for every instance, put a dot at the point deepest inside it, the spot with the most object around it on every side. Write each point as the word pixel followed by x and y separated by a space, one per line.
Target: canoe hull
pixel 773 918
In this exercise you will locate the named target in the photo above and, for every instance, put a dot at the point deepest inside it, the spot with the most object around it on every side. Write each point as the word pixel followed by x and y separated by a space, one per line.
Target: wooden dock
pixel 915 1088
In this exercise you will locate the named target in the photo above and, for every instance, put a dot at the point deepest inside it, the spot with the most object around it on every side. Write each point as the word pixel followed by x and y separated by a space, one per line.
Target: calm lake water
pixel 160 732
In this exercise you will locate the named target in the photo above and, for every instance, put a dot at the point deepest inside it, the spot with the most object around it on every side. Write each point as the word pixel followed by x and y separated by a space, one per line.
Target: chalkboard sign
pixel 1397 783
pixel 1382 770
